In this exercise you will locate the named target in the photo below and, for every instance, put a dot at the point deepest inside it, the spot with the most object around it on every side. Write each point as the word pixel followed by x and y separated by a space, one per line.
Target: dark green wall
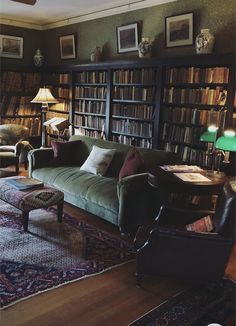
pixel 217 15
pixel 32 40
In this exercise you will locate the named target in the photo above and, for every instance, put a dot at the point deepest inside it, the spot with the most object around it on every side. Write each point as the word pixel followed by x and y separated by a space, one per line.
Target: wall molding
pixel 95 14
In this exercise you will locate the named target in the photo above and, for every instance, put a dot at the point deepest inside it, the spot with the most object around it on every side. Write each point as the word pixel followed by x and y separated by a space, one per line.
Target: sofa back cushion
pixel 118 158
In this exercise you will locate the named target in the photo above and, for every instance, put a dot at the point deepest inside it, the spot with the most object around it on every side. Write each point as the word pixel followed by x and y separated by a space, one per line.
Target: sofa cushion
pixel 132 164
pixel 98 161
pixel 65 152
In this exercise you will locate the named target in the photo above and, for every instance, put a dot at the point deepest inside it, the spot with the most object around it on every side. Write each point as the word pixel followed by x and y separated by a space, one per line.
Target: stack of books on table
pixel 181 168
pixel 187 173
pixel 25 183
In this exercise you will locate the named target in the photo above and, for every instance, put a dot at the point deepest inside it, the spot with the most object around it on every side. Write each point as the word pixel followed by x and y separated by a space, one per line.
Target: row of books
pixel 88 106
pixel 132 127
pixel 193 116
pixel 90 133
pixel 182 134
pixel 134 76
pixel 209 96
pixel 62 92
pixel 89 121
pixel 34 124
pixel 60 78
pixel 51 114
pixel 133 93
pixel 63 106
pixel 197 75
pixel 13 81
pixel 90 92
pixel 190 155
pixel 141 111
pixel 129 140
pixel 91 77
pixel 18 105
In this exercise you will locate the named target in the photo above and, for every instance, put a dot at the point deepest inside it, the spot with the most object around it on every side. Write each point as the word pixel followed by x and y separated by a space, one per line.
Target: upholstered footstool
pixel 28 200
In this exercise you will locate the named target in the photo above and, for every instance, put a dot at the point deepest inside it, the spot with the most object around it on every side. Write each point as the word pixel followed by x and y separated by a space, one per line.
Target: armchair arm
pixel 138 202
pixel 185 254
pixel 38 158
pixel 170 215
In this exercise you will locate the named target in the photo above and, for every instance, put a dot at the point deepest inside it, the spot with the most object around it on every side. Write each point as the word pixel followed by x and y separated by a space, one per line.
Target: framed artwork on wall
pixel 11 46
pixel 127 38
pixel 67 46
pixel 179 30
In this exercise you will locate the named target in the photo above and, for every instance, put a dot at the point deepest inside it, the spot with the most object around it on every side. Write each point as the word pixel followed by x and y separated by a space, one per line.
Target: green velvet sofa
pixel 126 203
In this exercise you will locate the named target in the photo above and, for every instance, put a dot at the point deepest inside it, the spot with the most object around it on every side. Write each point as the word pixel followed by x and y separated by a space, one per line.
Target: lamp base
pixel 215 174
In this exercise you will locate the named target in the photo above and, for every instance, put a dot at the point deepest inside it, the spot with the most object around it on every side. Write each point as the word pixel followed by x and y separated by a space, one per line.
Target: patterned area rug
pixel 51 254
pixel 198 306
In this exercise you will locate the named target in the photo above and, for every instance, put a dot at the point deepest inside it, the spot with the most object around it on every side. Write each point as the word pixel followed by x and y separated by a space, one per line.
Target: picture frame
pixel 11 46
pixel 67 46
pixel 179 30
pixel 127 38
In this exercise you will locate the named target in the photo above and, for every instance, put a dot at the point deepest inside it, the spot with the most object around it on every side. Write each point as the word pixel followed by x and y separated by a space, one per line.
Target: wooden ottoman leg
pixel 25 216
pixel 60 211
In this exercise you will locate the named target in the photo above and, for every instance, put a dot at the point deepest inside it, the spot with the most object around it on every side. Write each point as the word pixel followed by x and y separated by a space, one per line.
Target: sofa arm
pixel 138 202
pixel 38 158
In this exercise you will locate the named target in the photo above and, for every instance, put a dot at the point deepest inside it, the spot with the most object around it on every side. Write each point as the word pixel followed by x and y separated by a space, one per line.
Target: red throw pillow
pixel 65 152
pixel 132 164
pixel 202 225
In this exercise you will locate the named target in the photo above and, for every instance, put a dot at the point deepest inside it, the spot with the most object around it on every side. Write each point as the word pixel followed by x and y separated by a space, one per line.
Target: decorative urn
pixel 145 48
pixel 38 58
pixel 204 42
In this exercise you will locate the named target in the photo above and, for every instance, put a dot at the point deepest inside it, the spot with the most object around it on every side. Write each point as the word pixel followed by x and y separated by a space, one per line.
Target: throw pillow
pixel 202 225
pixel 132 164
pixel 98 160
pixel 65 152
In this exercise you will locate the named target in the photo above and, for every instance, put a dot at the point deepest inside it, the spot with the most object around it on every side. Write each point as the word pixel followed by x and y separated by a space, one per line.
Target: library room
pixel 118 162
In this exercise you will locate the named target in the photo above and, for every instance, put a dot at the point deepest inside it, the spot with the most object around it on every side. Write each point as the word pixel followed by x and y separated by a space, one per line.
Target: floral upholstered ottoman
pixel 30 199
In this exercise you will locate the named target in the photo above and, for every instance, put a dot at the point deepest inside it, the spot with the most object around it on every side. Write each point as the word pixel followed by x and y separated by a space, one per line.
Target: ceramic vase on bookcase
pixel 38 58
pixel 145 48
pixel 204 42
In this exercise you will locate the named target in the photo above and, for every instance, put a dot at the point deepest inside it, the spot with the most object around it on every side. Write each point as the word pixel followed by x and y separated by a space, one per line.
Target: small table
pixel 30 199
pixel 169 182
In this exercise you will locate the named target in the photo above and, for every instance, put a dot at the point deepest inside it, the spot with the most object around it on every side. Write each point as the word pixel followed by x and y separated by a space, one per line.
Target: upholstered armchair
pixel 172 250
pixel 13 145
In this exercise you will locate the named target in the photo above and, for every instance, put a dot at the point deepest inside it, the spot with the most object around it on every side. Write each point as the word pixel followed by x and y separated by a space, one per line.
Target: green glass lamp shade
pixel 208 136
pixel 226 143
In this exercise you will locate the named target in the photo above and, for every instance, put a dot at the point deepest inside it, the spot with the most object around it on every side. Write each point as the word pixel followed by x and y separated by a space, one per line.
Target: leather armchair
pixel 171 250
pixel 13 143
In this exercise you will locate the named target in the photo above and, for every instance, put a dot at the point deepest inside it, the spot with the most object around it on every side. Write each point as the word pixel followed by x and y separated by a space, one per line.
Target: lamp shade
pixel 208 136
pixel 227 142
pixel 44 95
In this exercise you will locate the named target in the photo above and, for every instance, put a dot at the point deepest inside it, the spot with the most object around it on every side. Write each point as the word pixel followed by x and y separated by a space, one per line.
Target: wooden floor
pixel 111 298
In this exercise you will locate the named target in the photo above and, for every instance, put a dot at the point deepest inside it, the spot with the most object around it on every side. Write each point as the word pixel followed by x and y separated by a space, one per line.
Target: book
pixel 192 177
pixel 181 168
pixel 25 183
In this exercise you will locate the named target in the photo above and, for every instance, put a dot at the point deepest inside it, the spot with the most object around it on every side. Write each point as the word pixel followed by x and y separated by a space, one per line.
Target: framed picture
pixel 127 38
pixel 179 30
pixel 11 46
pixel 67 46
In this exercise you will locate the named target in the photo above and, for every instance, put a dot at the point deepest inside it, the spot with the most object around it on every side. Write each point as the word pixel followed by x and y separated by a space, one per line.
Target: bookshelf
pixel 193 97
pixel 133 106
pixel 59 82
pixel 90 102
pixel 18 87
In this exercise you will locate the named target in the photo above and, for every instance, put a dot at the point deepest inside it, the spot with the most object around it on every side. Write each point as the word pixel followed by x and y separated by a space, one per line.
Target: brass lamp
pixel 44 97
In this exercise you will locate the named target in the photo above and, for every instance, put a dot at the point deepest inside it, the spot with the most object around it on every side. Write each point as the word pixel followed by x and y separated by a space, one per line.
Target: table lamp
pixel 210 137
pixel 44 96
pixel 227 143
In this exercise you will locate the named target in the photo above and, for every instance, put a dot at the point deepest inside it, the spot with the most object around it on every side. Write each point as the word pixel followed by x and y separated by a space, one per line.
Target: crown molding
pixel 131 6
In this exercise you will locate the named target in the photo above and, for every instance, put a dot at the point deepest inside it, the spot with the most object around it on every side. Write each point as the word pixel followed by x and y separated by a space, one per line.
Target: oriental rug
pixel 199 305
pixel 52 254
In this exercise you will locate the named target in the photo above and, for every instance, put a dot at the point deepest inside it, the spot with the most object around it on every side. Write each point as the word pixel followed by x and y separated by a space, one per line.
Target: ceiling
pixel 47 14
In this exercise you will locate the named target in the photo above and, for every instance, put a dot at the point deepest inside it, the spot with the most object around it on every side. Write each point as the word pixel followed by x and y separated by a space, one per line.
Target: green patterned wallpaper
pixel 217 15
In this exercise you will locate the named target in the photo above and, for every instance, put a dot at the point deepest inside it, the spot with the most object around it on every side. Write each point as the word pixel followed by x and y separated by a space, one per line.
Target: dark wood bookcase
pixel 18 88
pixel 155 103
